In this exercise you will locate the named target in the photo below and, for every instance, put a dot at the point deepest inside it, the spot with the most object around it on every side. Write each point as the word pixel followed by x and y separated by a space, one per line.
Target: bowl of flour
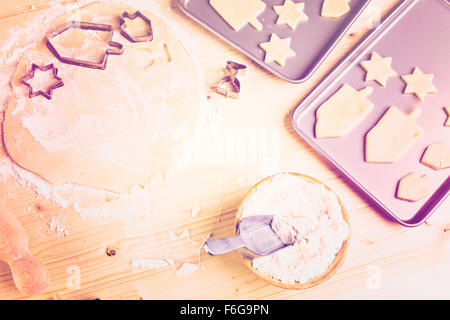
pixel 309 218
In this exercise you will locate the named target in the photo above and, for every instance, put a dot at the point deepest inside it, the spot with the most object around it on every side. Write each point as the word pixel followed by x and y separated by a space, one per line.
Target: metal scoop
pixel 254 233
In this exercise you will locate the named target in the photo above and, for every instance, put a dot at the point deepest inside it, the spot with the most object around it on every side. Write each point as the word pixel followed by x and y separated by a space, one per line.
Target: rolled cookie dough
pixel 110 129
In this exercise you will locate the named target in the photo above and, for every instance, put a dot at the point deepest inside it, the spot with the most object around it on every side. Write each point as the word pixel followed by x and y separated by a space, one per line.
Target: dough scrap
pixel 393 135
pixel 291 13
pixel 238 13
pixel 419 83
pixel 342 112
pixel 437 156
pixel 378 69
pixel 414 187
pixel 335 8
pixel 277 49
pixel 112 129
pixel 447 122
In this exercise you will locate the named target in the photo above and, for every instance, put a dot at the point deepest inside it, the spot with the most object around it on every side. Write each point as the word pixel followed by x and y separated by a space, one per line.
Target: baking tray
pixel 414 33
pixel 312 41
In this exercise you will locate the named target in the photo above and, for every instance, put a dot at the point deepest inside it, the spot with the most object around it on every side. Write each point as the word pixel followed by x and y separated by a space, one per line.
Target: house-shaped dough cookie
pixel 437 156
pixel 342 112
pixel 393 135
pixel 414 187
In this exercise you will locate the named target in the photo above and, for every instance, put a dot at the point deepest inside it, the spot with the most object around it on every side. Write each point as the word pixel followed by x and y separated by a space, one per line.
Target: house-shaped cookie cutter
pixel 115 47
pixel 143 38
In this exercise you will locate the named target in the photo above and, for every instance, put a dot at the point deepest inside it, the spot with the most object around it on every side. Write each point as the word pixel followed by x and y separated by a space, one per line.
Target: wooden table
pixel 385 260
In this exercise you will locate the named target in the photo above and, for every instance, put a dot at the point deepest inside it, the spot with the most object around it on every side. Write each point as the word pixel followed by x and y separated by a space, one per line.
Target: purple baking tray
pixel 415 33
pixel 312 41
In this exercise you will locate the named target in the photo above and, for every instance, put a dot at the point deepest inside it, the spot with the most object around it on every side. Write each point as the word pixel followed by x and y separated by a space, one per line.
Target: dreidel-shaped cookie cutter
pixel 114 49
pixel 140 38
pixel 233 69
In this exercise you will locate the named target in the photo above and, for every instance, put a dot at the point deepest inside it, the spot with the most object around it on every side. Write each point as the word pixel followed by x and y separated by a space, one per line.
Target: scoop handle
pixel 223 245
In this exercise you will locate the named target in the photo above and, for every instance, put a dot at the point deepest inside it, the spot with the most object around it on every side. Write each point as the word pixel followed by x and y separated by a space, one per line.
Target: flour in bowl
pixel 308 218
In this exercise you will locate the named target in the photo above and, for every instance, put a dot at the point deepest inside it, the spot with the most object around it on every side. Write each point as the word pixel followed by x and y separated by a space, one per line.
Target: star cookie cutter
pixel 115 47
pixel 144 38
pixel 233 69
pixel 49 93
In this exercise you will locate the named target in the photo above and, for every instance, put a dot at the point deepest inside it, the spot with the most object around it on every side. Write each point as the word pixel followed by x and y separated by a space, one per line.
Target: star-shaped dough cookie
pixel 378 69
pixel 277 49
pixel 291 13
pixel 419 83
pixel 393 135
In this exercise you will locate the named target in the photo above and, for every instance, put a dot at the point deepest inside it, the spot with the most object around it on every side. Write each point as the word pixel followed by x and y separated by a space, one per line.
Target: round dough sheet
pixel 111 129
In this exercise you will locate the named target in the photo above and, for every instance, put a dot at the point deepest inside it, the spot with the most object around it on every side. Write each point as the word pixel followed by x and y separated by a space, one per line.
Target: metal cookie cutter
pixel 233 69
pixel 115 49
pixel 144 38
pixel 49 93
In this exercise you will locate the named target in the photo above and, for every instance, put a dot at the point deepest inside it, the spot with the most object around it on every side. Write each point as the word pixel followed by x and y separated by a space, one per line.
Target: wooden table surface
pixel 384 260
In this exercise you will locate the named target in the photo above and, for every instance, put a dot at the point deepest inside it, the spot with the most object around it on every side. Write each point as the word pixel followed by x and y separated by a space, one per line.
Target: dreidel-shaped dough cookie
pixel 342 112
pixel 237 13
pixel 393 135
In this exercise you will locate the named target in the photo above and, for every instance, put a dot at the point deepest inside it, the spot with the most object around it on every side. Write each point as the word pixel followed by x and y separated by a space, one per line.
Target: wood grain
pixel 384 259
